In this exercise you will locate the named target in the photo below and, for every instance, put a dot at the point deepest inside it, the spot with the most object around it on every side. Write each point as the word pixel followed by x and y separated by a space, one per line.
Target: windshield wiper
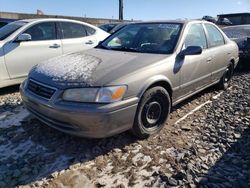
pixel 127 49
pixel 123 48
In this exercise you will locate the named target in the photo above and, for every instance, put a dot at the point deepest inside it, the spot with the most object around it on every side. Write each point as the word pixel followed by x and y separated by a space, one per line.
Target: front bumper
pixel 81 119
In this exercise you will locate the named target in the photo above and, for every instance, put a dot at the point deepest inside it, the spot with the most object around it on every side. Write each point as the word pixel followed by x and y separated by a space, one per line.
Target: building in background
pixel 11 16
pixel 39 12
pixel 234 19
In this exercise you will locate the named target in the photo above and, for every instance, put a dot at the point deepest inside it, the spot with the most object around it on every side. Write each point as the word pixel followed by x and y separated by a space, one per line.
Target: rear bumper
pixel 87 120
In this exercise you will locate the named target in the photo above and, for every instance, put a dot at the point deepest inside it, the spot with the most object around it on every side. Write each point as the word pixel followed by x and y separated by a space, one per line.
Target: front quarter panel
pixel 139 81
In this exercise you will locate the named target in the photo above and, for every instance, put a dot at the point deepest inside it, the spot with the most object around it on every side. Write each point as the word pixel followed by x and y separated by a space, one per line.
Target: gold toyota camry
pixel 130 80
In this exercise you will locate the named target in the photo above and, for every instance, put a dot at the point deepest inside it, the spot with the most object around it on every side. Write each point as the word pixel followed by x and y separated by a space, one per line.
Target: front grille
pixel 40 90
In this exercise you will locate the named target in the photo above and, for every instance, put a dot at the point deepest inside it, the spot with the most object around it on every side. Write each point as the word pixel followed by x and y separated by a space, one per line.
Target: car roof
pixel 181 21
pixel 178 21
pixel 166 21
pixel 48 19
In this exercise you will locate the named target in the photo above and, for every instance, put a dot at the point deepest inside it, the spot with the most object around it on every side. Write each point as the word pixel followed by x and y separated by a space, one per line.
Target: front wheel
pixel 226 78
pixel 152 112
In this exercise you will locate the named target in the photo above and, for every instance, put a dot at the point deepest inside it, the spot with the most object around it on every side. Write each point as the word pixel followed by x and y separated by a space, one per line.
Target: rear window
pixel 89 30
pixel 73 30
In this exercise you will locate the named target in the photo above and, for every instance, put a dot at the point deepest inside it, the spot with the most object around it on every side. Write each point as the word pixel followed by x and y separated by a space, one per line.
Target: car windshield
pixel 159 38
pixel 8 29
pixel 237 31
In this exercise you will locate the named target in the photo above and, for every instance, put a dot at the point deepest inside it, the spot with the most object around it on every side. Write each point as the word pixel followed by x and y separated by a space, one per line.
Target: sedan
pixel 131 80
pixel 25 43
pixel 241 35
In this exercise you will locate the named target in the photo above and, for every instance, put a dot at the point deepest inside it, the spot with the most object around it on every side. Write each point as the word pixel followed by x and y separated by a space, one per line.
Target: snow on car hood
pixel 94 67
pixel 71 68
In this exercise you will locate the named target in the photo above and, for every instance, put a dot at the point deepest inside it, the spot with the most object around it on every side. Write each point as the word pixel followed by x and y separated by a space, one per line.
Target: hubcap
pixel 153 112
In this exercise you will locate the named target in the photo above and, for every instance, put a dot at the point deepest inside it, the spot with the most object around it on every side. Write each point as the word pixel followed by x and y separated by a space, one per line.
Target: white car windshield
pixel 159 38
pixel 8 29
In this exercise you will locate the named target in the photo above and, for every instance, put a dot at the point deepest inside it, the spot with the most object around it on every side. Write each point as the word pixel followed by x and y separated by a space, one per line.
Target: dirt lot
pixel 206 143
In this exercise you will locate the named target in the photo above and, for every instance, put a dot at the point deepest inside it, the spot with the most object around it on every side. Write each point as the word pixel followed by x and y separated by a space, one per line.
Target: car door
pixel 21 56
pixel 220 54
pixel 196 69
pixel 77 37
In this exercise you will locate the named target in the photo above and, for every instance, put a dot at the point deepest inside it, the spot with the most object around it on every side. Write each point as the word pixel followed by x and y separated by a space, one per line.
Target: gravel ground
pixel 206 143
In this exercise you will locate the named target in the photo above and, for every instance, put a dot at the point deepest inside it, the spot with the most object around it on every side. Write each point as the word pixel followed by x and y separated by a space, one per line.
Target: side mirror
pixel 23 37
pixel 191 50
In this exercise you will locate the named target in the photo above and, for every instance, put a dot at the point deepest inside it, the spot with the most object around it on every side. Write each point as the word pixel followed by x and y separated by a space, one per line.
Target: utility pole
pixel 121 10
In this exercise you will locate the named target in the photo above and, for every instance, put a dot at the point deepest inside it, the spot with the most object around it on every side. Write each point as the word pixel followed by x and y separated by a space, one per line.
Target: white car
pixel 25 43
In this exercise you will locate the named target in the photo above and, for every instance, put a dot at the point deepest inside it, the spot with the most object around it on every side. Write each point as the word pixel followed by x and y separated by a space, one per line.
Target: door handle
pixel 89 42
pixel 209 59
pixel 55 46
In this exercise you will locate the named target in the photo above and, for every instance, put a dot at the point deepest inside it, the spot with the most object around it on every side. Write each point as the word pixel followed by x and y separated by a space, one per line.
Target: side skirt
pixel 189 95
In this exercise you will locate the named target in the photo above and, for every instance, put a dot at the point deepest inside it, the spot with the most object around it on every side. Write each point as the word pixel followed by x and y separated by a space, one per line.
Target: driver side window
pixel 195 37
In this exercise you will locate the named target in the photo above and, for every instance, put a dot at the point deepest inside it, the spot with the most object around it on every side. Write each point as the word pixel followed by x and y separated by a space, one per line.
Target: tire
pixel 226 78
pixel 152 112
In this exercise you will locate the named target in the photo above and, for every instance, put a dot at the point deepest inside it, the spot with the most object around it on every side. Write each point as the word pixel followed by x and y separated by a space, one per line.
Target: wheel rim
pixel 154 113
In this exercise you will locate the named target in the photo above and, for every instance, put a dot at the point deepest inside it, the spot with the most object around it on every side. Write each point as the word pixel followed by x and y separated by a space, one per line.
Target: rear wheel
pixel 152 112
pixel 226 78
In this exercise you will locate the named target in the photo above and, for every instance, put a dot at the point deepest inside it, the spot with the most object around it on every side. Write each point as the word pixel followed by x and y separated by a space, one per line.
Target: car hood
pixel 95 67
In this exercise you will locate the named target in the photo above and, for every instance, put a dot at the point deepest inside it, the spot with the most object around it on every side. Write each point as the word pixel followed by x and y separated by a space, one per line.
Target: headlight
pixel 111 94
pixel 98 95
pixel 81 94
